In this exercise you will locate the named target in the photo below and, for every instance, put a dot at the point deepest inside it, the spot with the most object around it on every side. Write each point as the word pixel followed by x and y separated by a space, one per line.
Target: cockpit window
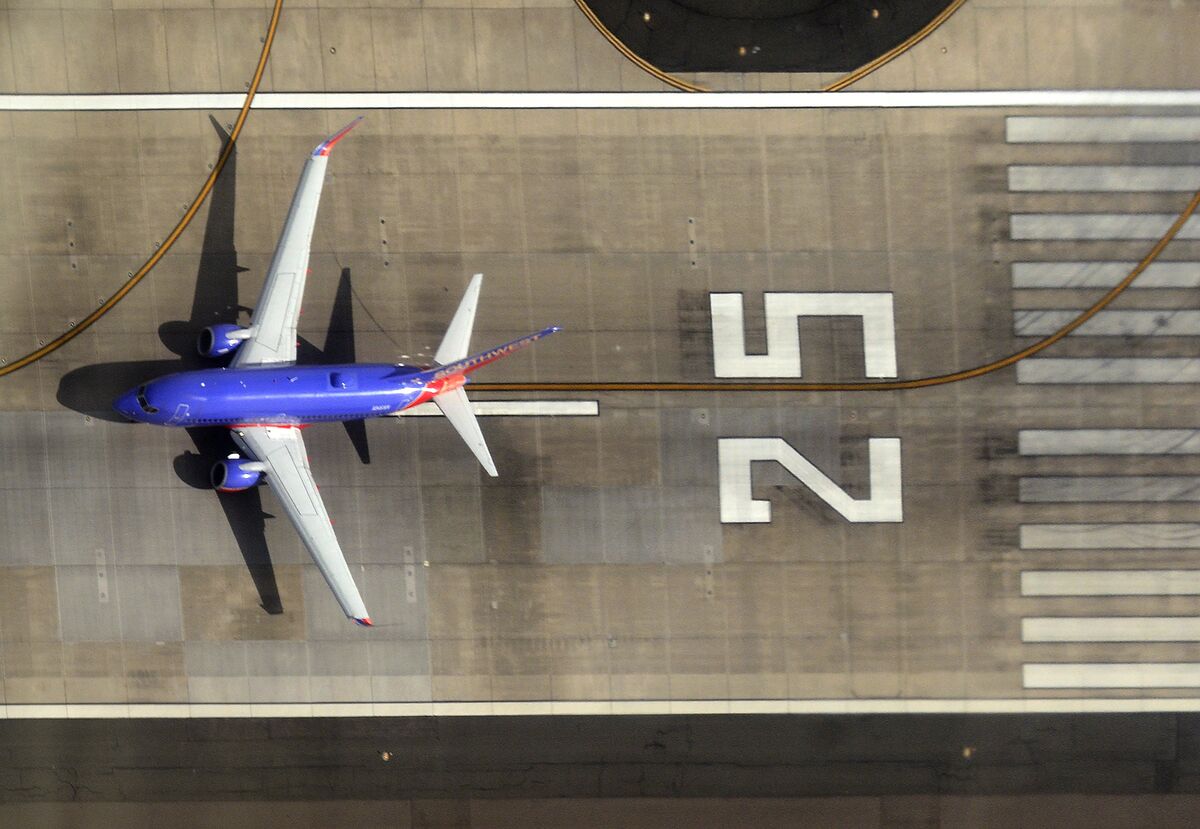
pixel 145 404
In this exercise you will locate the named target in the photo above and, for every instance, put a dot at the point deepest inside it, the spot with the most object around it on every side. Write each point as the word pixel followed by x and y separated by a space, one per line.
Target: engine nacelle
pixel 219 340
pixel 235 474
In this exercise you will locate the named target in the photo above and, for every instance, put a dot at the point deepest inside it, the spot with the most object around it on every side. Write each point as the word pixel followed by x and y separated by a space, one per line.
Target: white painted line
pixel 1110 583
pixel 359 101
pixel 1111 629
pixel 1174 536
pixel 515 408
pixel 1110 489
pixel 1098 226
pixel 1164 323
pixel 1108 442
pixel 1084 370
pixel 1103 274
pixel 1112 675
pixel 1101 129
pixel 992 705
pixel 1053 178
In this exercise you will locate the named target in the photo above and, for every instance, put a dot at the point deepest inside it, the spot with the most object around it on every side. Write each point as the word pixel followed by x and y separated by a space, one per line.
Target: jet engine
pixel 219 340
pixel 235 474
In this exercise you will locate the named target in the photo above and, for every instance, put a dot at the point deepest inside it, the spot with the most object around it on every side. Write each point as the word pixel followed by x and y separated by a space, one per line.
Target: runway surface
pixel 931 550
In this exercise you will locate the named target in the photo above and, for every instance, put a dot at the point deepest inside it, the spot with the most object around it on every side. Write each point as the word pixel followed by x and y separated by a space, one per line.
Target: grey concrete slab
pixel 450 62
pixel 572 524
pixel 346 50
pixel 550 51
pixel 142 62
pixel 7 76
pixel 90 47
pixel 297 59
pixel 89 601
pixel 38 50
pixel 398 43
pixel 150 610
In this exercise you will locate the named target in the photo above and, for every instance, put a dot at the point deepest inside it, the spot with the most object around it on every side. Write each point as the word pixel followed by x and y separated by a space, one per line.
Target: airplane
pixel 264 398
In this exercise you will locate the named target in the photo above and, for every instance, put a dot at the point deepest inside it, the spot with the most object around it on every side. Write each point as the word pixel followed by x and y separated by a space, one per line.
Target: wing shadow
pixel 215 299
pixel 90 390
pixel 243 511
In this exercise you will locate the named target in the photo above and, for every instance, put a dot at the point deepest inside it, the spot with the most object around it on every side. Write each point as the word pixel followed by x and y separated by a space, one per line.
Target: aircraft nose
pixel 127 405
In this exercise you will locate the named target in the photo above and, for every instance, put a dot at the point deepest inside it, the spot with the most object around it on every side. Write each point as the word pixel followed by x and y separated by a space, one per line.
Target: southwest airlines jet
pixel 265 399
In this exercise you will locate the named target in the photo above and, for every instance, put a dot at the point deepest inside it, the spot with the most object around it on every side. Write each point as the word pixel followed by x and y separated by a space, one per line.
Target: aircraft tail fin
pixel 457 409
pixel 445 380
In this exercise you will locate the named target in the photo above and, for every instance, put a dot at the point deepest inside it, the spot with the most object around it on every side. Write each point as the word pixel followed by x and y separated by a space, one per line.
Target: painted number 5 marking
pixel 783 340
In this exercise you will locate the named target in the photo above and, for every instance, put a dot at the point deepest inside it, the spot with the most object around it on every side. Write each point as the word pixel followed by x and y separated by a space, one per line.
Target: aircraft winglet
pixel 325 146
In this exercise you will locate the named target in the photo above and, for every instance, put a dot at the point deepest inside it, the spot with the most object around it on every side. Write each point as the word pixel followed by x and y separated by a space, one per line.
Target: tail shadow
pixel 339 348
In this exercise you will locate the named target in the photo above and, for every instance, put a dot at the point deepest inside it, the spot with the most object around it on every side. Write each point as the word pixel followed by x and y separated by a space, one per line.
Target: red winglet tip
pixel 365 622
pixel 325 146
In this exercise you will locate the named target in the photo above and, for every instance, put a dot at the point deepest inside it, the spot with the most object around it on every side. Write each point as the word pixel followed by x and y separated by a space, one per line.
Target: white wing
pixel 281 450
pixel 273 325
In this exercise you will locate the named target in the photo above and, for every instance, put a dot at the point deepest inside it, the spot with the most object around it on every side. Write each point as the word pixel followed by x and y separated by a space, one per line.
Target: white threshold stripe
pixel 1103 274
pixel 1032 322
pixel 1100 129
pixel 1110 583
pixel 1161 536
pixel 514 408
pixel 1098 226
pixel 1108 442
pixel 1108 370
pixel 609 100
pixel 1003 705
pixel 1109 489
pixel 1111 675
pixel 1054 178
pixel 1110 629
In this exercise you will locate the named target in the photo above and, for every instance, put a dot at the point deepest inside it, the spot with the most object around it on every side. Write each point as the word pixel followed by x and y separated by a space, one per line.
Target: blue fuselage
pixel 277 394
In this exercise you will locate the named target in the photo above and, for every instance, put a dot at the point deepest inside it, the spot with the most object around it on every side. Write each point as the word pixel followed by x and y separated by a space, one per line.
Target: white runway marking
pixel 1101 370
pixel 1110 629
pixel 1018 705
pixel 1098 226
pixel 1113 489
pixel 1050 178
pixel 1100 129
pixel 1113 675
pixel 1165 536
pixel 782 309
pixel 1108 442
pixel 359 101
pixel 514 408
pixel 1161 323
pixel 736 457
pixel 1110 583
pixel 1103 274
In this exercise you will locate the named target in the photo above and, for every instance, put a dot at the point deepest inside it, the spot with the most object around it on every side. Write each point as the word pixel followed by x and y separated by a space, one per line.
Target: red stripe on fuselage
pixel 435 387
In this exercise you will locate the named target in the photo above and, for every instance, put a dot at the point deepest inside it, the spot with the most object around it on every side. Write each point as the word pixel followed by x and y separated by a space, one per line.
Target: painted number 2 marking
pixel 736 456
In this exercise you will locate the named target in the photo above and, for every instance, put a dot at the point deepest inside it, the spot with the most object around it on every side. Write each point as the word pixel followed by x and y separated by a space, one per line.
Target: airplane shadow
pixel 91 389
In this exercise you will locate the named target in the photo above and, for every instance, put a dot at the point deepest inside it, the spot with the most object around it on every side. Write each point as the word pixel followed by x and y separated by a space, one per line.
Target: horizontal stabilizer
pixel 457 409
pixel 456 344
